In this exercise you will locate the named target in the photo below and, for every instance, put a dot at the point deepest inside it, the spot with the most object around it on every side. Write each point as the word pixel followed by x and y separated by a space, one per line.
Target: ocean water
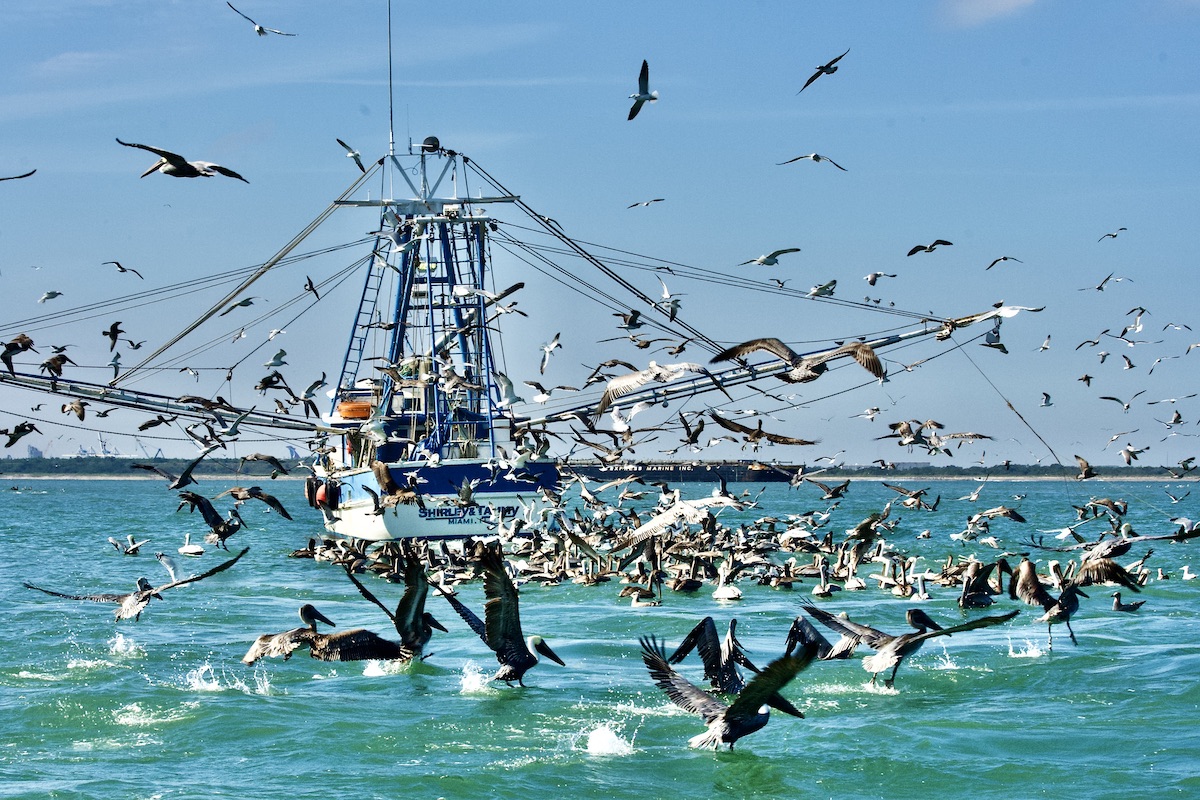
pixel 163 708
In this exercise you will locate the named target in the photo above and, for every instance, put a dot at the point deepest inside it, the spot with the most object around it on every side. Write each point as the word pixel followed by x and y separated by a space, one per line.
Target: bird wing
pixel 779 438
pixel 644 78
pixel 365 592
pixel 803 633
pixel 970 625
pixel 501 612
pixel 226 171
pixel 679 689
pixel 778 253
pixel 468 616
pixel 271 645
pixel 637 106
pixel 772 345
pixel 18 177
pixel 729 424
pixel 240 14
pixel 355 645
pixel 192 579
pixel 764 687
pixel 869 636
pixel 622 385
pixel 172 158
pixel 1103 570
pixel 704 637
pixel 152 468
pixel 1029 589
pixel 95 598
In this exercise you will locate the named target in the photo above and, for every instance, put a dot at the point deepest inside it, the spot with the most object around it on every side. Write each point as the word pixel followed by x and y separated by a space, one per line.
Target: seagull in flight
pixel 770 259
pixel 929 248
pixel 176 166
pixel 259 29
pixel 1112 235
pixel 825 69
pixel 352 153
pixel 816 158
pixel 643 94
pixel 646 202
pixel 1002 258
pixel 123 269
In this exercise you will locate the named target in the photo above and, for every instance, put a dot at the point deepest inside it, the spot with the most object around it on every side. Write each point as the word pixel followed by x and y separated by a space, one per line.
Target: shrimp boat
pixel 424 435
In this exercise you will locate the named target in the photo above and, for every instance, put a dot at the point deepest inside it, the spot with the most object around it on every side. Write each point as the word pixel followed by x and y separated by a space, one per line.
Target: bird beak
pixel 545 650
pixel 1081 592
pixel 433 623
pixel 781 703
pixel 152 169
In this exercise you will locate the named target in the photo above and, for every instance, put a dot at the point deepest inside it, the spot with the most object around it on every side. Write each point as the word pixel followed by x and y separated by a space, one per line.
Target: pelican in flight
pixel 132 604
pixel 502 629
pixel 176 166
pixel 259 29
pixel 747 714
pixel 803 369
pixel 643 94
pixel 890 651
pixel 720 656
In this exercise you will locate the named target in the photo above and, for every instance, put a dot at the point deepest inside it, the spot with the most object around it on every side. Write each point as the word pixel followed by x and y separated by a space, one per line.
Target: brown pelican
pixel 747 714
pixel 1026 586
pixel 19 344
pixel 183 478
pixel 133 603
pixel 359 644
pixel 414 624
pixel 176 166
pixel 803 369
pixel 242 494
pixel 502 629
pixel 890 651
pixel 643 94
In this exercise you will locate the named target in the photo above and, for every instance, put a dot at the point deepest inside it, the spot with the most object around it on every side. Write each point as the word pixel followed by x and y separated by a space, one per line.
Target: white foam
pixel 604 741
pixel 474 680
pixel 1030 650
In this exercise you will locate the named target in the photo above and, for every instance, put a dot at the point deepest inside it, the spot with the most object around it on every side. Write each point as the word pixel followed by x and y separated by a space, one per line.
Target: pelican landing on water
pixel 502 629
pixel 747 714
pixel 890 651
pixel 132 604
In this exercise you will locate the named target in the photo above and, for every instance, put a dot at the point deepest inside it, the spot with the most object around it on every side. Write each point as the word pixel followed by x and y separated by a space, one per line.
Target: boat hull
pixel 442 513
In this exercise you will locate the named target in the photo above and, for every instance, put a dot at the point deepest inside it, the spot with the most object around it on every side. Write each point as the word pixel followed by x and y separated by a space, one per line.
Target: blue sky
pixel 1027 129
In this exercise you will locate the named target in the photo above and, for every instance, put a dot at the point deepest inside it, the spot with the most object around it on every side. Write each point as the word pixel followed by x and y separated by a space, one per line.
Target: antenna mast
pixel 391 96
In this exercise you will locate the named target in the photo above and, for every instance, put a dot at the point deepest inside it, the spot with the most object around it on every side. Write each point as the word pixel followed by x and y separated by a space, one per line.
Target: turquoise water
pixel 163 708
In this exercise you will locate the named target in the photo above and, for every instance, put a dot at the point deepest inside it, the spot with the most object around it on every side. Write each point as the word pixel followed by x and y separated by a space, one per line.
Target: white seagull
pixel 770 259
pixel 643 94
pixel 816 158
pixel 259 29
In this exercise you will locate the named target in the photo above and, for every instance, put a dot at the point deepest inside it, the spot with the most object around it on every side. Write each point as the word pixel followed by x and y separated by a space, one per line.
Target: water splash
pixel 120 645
pixel 944 661
pixel 1030 650
pixel 378 669
pixel 135 715
pixel 203 679
pixel 604 741
pixel 474 680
